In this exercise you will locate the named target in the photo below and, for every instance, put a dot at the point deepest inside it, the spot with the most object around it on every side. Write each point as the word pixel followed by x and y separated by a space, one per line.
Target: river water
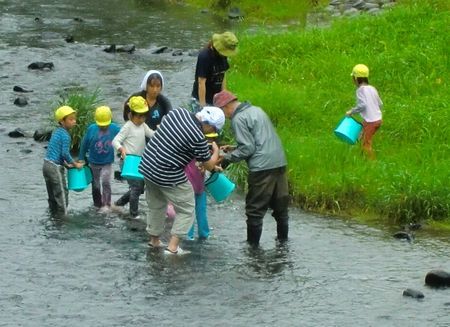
pixel 96 270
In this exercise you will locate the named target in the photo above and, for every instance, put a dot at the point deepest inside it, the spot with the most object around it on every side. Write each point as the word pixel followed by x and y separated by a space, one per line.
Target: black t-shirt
pixel 212 66
pixel 155 114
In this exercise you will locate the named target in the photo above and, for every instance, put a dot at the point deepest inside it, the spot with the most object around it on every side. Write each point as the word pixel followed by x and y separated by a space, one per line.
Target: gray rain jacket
pixel 257 141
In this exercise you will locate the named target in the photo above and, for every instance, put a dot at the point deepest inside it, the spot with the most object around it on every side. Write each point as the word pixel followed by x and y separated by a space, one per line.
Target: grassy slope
pixel 302 80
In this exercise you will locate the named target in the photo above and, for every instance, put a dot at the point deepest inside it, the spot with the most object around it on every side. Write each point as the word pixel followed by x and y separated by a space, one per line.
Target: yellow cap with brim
pixel 63 112
pixel 138 105
pixel 360 70
pixel 103 116
pixel 211 135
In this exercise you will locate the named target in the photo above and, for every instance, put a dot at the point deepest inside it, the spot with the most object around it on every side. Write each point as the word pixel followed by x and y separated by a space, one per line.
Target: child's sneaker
pixel 104 209
pixel 136 217
pixel 179 251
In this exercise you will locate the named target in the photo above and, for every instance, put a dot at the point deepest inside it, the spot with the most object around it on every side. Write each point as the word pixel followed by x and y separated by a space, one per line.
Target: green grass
pixel 84 103
pixel 302 80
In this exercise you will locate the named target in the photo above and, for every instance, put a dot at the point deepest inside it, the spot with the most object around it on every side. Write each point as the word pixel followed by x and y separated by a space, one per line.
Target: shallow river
pixel 96 270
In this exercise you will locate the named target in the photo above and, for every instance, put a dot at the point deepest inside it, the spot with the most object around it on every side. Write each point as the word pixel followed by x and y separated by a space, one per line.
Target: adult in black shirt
pixel 211 66
pixel 158 104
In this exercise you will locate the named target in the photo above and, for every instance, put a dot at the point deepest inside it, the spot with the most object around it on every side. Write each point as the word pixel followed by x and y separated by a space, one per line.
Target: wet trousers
pixel 101 184
pixel 369 130
pixel 132 196
pixel 201 217
pixel 267 189
pixel 182 199
pixel 55 181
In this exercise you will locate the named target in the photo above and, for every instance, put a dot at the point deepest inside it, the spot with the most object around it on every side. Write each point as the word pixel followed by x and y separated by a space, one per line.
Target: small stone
pixel 413 293
pixel 177 53
pixel 20 89
pixel 21 101
pixel 17 133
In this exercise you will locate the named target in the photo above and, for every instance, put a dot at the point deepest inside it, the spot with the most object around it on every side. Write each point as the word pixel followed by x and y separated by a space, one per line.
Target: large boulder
pixel 438 278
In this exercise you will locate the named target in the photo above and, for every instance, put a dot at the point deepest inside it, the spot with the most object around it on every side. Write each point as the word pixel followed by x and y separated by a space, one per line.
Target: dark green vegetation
pixel 302 79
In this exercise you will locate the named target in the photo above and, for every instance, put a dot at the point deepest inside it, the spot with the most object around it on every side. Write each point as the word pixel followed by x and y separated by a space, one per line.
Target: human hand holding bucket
pixel 219 186
pixel 130 169
pixel 348 130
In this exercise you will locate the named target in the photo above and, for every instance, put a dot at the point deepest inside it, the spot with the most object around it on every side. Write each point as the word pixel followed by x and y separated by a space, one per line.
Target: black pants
pixel 267 189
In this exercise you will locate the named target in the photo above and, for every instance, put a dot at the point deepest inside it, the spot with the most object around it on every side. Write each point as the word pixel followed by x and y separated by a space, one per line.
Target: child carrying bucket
pixel 131 140
pixel 58 156
pixel 368 105
pixel 97 143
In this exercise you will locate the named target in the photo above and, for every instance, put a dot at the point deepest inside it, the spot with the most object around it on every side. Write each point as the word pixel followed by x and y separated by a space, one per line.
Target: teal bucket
pixel 77 179
pixel 219 186
pixel 130 169
pixel 348 130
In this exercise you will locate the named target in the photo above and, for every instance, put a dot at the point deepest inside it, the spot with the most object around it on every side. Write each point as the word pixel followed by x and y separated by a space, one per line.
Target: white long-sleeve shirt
pixel 132 138
pixel 368 103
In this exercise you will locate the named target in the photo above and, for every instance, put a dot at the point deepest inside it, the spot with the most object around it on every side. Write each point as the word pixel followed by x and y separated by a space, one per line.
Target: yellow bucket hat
pixel 225 43
pixel 63 112
pixel 360 70
pixel 103 116
pixel 138 104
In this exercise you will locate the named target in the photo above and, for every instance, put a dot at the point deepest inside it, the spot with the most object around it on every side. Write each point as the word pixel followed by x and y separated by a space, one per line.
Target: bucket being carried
pixel 78 178
pixel 348 130
pixel 219 186
pixel 130 169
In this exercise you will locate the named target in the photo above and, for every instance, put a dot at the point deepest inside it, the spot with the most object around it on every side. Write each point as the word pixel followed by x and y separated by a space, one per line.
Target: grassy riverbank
pixel 302 79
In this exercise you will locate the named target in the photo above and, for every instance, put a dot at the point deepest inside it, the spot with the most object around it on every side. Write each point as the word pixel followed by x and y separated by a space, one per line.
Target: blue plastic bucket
pixel 348 130
pixel 130 169
pixel 219 186
pixel 76 179
pixel 88 173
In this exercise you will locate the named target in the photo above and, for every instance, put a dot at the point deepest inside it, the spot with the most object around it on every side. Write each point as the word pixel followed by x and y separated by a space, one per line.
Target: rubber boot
pixel 253 234
pixel 282 231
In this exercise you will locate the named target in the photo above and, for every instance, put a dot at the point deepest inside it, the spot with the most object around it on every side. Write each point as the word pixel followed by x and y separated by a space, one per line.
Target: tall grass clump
pixel 302 80
pixel 84 103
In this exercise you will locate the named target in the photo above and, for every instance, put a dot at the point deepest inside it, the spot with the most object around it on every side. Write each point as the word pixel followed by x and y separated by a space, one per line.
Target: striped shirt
pixel 177 141
pixel 58 150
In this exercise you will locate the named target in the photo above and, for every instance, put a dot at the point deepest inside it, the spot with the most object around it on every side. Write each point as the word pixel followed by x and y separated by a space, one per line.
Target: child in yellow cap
pixel 57 158
pixel 368 105
pixel 97 145
pixel 131 140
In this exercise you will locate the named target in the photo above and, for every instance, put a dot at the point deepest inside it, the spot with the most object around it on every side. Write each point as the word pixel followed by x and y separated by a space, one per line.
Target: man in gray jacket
pixel 259 145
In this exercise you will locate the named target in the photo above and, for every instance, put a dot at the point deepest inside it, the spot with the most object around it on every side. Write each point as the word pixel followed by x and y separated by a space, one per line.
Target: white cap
pixel 212 116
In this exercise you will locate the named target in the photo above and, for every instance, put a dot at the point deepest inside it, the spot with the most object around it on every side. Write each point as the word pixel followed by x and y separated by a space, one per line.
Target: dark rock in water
pixel 41 65
pixel 204 11
pixel 403 236
pixel 161 50
pixel 235 13
pixel 4 76
pixel 20 89
pixel 110 49
pixel 37 20
pixel 26 151
pixel 21 101
pixel 414 226
pixel 69 39
pixel 126 48
pixel 177 53
pixel 413 293
pixel 438 278
pixel 42 135
pixel 17 133
pixel 78 19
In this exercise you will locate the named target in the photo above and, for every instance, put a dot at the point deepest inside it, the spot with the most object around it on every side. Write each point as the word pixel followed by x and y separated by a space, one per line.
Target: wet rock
pixel 438 278
pixel 235 13
pixel 17 88
pixel 402 235
pixel 161 50
pixel 38 19
pixel 126 48
pixel 26 151
pixel 414 226
pixel 204 11
pixel 177 53
pixel 78 19
pixel 21 101
pixel 42 135
pixel 41 65
pixel 110 49
pixel 413 293
pixel 4 76
pixel 359 4
pixel 16 133
pixel 69 39
pixel 351 12
pixel 369 6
